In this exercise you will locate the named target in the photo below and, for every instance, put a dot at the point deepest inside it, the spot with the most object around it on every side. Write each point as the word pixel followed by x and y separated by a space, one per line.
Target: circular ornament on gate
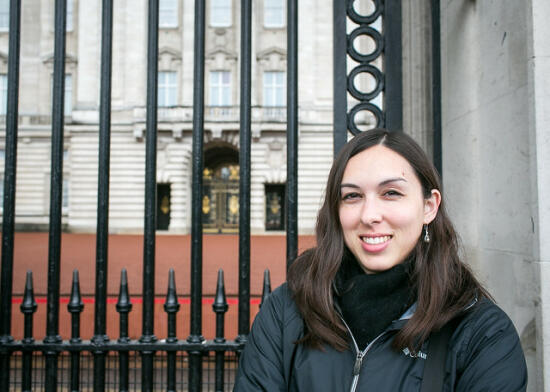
pixel 364 107
pixel 354 38
pixel 364 19
pixel 378 82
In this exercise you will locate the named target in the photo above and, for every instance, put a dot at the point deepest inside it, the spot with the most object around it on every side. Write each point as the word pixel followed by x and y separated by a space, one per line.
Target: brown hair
pixel 444 284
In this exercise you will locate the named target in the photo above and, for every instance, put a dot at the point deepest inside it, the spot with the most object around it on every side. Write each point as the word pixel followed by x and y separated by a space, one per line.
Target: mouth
pixel 375 240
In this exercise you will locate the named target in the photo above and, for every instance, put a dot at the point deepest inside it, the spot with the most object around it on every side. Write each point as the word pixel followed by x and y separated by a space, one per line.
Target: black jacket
pixel 484 355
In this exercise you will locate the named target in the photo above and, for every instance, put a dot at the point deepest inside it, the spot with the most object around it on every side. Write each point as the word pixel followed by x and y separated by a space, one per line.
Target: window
pixel 220 88
pixel 274 13
pixel 70 7
pixel 168 13
pixel 68 104
pixel 4 15
pixel 274 206
pixel 168 89
pixel 274 88
pixel 65 191
pixel 68 100
pixel 2 158
pixel 220 13
pixel 65 198
pixel 3 93
pixel 163 206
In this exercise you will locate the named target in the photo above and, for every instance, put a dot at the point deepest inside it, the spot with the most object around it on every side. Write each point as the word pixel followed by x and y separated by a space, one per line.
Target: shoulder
pixel 487 350
pixel 484 320
pixel 280 306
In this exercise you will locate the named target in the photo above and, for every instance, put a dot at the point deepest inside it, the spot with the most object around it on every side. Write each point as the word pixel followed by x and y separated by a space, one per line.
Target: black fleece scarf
pixel 370 302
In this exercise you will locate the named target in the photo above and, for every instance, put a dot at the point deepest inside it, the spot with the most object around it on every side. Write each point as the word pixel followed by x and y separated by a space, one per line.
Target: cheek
pixel 410 219
pixel 346 218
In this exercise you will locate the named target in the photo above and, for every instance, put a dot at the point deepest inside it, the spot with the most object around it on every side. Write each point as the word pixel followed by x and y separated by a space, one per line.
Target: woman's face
pixel 382 208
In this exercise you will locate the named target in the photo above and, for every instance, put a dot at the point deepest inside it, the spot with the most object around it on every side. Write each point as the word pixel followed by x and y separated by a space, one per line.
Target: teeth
pixel 375 240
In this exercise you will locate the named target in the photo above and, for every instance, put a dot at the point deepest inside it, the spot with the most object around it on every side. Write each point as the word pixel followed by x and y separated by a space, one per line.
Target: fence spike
pixel 75 304
pixel 267 287
pixel 28 306
pixel 124 305
pixel 171 305
pixel 220 303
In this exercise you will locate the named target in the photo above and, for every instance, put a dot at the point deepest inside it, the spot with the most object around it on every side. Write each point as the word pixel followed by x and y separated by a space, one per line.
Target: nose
pixel 371 213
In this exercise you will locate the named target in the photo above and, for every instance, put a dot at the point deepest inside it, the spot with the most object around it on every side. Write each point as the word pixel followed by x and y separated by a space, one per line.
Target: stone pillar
pixel 417 73
pixel 487 153
pixel 539 126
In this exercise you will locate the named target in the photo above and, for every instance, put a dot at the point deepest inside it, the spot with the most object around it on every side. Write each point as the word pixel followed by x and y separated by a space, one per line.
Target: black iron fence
pixel 147 364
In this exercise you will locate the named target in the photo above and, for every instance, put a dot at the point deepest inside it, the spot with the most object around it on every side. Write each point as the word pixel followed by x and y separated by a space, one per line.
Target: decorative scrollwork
pixel 364 19
pixel 360 107
pixel 377 88
pixel 366 64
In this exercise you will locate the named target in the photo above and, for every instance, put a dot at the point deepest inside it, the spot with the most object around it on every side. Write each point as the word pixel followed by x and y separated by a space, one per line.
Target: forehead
pixel 378 163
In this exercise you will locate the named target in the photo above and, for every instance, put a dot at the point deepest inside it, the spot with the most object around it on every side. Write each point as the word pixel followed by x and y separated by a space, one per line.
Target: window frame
pixel 70 16
pixel 271 89
pixel 279 189
pixel 268 24
pixel 164 88
pixel 68 95
pixel 5 15
pixel 172 9
pixel 220 87
pixel 216 5
pixel 3 94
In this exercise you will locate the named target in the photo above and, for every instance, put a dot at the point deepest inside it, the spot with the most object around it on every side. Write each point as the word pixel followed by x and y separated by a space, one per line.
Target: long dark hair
pixel 445 286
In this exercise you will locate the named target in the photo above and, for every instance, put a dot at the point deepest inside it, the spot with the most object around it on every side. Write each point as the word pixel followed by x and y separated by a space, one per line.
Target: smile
pixel 376 240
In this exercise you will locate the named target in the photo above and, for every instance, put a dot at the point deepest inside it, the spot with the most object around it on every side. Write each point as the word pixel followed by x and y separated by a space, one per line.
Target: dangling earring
pixel 426 234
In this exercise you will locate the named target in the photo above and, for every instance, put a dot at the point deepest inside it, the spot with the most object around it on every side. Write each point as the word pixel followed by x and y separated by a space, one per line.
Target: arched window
pixel 220 201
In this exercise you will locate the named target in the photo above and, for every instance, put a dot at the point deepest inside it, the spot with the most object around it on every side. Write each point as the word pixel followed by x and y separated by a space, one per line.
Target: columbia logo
pixel 419 354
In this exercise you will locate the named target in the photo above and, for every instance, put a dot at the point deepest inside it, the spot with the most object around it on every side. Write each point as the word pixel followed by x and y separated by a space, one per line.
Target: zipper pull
pixel 358 362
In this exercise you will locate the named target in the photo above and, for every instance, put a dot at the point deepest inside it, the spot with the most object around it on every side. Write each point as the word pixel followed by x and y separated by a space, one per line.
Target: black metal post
pixel 28 307
pixel 340 82
pixel 123 307
pixel 171 307
pixel 195 359
pixel 220 308
pixel 150 198
pixel 244 166
pixel 75 307
pixel 56 193
pixel 8 221
pixel 266 288
pixel 292 134
pixel 102 238
pixel 393 94
pixel 436 87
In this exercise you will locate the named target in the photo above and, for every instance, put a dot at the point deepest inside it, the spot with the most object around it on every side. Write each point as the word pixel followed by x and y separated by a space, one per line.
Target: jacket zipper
pixel 359 357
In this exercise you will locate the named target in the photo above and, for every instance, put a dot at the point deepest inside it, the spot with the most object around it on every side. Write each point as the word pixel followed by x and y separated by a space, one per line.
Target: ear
pixel 431 206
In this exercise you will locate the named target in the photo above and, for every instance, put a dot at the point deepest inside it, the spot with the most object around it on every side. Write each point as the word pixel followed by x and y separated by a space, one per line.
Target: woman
pixel 358 310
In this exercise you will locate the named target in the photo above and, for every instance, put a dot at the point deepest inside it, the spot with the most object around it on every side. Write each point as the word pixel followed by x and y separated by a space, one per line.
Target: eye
pixel 350 196
pixel 392 193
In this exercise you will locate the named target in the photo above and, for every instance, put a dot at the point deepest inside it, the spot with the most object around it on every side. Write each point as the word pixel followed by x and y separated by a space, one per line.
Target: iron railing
pixel 52 361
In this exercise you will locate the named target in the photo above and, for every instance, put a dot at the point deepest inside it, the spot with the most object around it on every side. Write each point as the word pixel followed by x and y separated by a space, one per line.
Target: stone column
pixel 417 73
pixel 539 126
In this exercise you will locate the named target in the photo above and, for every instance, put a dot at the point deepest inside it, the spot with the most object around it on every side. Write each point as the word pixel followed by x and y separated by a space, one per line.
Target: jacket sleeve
pixel 261 362
pixel 492 358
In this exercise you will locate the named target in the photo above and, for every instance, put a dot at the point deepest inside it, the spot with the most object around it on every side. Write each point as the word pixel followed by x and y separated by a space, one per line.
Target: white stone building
pixel 496 124
pixel 175 109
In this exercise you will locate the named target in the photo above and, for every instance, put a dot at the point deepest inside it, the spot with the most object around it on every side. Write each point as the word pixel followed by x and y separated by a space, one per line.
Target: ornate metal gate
pixel 381 23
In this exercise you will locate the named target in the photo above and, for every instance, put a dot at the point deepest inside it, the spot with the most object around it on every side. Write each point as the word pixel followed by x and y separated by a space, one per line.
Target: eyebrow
pixel 385 182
